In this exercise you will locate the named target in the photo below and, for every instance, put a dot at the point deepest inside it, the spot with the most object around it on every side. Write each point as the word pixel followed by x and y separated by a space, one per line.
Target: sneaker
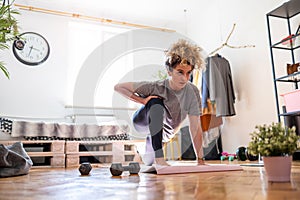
pixel 148 155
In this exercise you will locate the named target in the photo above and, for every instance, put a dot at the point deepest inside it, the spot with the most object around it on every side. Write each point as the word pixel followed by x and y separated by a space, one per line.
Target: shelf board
pixel 295 113
pixel 289 78
pixel 293 47
pixel 276 46
pixel 286 10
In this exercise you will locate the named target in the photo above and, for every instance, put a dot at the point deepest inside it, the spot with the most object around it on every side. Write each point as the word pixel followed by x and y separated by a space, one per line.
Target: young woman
pixel 166 103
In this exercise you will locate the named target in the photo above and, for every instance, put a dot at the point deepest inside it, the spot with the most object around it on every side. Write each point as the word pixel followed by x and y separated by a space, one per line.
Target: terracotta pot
pixel 278 168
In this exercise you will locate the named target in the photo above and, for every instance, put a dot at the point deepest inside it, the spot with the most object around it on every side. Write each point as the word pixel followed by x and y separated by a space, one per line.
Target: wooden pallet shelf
pixel 43 153
pixel 59 153
pixel 101 151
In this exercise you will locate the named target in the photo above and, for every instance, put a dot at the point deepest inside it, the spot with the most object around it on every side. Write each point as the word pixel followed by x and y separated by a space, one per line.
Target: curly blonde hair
pixel 184 52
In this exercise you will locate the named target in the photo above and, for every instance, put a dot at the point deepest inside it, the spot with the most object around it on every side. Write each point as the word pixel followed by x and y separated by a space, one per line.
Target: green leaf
pixel 4 70
pixel 8 29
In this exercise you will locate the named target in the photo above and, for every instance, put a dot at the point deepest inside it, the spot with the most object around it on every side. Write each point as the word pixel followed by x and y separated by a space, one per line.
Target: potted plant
pixel 276 144
pixel 8 29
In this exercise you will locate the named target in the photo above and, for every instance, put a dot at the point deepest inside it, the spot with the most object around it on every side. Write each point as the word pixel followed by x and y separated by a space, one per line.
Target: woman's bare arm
pixel 196 134
pixel 127 90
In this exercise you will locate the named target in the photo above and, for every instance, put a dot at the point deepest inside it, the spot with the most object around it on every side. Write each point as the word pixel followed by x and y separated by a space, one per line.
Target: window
pixel 135 65
pixel 84 38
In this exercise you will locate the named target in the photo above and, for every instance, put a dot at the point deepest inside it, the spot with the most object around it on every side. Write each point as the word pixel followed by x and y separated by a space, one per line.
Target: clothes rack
pixel 228 45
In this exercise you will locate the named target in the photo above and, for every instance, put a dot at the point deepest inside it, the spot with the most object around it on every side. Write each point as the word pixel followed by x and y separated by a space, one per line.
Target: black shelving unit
pixel 286 12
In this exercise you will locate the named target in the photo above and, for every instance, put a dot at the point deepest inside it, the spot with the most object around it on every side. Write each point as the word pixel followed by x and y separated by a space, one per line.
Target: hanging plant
pixel 8 29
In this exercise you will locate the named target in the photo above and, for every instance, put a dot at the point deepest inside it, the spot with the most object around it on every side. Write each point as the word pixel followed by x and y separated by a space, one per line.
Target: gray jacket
pixel 218 85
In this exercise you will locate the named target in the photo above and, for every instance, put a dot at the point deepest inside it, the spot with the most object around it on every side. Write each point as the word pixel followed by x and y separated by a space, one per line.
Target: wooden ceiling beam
pixel 91 18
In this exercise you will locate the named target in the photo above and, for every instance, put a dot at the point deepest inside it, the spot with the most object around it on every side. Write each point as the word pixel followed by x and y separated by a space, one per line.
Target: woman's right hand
pixel 145 100
pixel 127 90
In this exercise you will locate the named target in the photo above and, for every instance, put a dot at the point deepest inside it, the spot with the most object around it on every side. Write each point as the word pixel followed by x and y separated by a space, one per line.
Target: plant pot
pixel 278 168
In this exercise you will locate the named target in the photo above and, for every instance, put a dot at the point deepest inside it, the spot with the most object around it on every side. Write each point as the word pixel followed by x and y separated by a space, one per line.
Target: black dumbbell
pixel 85 168
pixel 117 169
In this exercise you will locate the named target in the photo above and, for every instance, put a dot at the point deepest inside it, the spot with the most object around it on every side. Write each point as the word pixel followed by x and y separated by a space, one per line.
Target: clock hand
pixel 30 51
pixel 35 49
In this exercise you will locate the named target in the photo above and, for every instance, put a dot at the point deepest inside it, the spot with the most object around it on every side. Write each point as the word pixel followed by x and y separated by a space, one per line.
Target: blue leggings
pixel 150 119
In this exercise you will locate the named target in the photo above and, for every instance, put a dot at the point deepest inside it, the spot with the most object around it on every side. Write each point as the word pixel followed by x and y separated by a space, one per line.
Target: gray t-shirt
pixel 178 104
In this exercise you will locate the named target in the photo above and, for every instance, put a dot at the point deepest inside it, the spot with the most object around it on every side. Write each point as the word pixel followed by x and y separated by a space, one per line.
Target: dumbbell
pixel 85 168
pixel 117 169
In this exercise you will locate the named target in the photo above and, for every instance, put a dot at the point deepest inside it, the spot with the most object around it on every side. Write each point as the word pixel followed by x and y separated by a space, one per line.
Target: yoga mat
pixel 179 169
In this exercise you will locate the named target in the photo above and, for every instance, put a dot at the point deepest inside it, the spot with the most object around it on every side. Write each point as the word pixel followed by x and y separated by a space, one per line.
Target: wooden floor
pixel 55 184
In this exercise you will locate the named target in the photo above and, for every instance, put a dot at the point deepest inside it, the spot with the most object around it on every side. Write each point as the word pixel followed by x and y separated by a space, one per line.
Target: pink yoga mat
pixel 179 169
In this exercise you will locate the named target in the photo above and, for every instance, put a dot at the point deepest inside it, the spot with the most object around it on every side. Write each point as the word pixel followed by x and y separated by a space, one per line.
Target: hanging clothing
pixel 217 86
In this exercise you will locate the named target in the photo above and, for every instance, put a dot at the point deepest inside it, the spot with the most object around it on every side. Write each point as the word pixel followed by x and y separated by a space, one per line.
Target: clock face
pixel 31 48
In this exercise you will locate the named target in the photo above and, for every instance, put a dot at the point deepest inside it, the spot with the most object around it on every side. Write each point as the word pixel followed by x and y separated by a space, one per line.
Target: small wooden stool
pixel 165 145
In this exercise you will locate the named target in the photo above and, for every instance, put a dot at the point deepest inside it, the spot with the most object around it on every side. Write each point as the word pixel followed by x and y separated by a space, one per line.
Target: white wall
pixel 40 91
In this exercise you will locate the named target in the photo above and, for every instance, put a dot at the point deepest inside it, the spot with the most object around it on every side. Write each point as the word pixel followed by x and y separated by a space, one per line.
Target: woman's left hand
pixel 200 162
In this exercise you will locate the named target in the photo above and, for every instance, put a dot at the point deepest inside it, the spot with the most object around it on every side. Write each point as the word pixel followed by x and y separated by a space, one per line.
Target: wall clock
pixel 31 48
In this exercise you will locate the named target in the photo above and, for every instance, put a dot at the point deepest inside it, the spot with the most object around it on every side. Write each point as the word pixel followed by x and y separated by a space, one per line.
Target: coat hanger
pixel 230 46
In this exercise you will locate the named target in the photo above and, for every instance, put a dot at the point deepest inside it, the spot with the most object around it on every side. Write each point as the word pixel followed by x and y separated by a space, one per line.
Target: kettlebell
pixel 241 153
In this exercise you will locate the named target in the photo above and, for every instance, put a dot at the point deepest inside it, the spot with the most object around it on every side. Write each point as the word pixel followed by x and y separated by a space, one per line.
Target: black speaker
pixel 292 120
